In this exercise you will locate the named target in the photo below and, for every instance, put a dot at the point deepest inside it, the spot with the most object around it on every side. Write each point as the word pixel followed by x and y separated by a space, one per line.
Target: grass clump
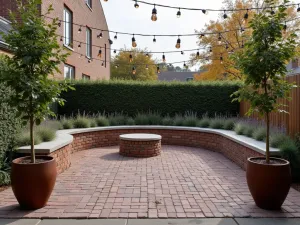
pixel 117 119
pixel 102 121
pixel 81 122
pixel 93 123
pixel 141 119
pixel 228 124
pixel 45 133
pixel 154 118
pixel 190 121
pixel 278 139
pixel 167 121
pixel 178 120
pixel 130 121
pixel 217 123
pixel 260 134
pixel 67 124
pixel 204 122
pixel 23 139
pixel 240 128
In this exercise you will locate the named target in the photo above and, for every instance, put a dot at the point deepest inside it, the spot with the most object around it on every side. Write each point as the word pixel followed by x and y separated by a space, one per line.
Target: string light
pixel 116 36
pixel 246 16
pixel 202 35
pixel 158 69
pixel 79 30
pixel 79 45
pixel 130 58
pixel 61 38
pixel 210 49
pixel 284 28
pixel 272 11
pixel 178 13
pixel 204 11
pixel 136 5
pixel 59 24
pixel 100 53
pixel 198 54
pixel 178 43
pixel 147 55
pixel 102 64
pixel 226 46
pixel 242 46
pixel 221 58
pixel 89 60
pixel 133 42
pixel 220 39
pixel 133 70
pixel 116 66
pixel 147 67
pixel 115 51
pixel 164 57
pixel 184 65
pixel 100 35
pixel 225 15
pixel 154 14
pixel 154 39
pixel 182 52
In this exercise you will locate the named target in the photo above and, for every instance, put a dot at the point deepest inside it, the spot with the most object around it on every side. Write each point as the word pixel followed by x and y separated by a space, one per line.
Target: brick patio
pixel 183 182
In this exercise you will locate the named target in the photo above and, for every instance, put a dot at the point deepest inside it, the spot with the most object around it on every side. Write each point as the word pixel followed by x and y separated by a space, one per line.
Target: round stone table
pixel 140 145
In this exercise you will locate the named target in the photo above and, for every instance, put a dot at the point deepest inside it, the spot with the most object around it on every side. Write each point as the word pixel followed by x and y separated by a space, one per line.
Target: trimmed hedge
pixel 167 98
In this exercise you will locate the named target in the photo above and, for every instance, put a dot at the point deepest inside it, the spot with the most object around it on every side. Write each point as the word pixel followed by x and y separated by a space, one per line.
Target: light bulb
pixel 164 58
pixel 133 42
pixel 182 52
pixel 116 37
pixel 204 11
pixel 220 39
pixel 147 67
pixel 116 66
pixel 130 58
pixel 198 54
pixel 246 16
pixel 79 30
pixel 225 15
pixel 100 35
pixel 178 13
pixel 226 46
pixel 284 28
pixel 61 38
pixel 89 61
pixel 105 0
pixel 178 43
pixel 147 55
pixel 158 70
pixel 210 49
pixel 133 70
pixel 154 39
pixel 154 14
pixel 115 51
pixel 59 24
pixel 136 5
pixel 221 59
pixel 100 53
pixel 79 46
pixel 272 11
pixel 184 65
pixel 102 64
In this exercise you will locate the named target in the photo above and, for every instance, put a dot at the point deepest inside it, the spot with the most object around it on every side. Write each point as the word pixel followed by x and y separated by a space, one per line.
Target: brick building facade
pixel 82 63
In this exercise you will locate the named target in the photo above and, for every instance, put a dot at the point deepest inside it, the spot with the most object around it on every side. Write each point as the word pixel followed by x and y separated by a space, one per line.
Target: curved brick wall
pixel 238 153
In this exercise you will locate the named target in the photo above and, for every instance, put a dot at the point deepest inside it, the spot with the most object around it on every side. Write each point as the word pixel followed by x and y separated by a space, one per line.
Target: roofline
pixel 104 18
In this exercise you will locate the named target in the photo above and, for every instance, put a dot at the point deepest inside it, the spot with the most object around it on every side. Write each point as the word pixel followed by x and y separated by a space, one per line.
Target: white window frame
pixel 86 77
pixel 68 27
pixel 69 72
pixel 88 42
pixel 89 3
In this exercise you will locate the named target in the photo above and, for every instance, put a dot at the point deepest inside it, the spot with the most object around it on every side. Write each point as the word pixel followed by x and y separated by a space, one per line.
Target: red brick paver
pixel 181 182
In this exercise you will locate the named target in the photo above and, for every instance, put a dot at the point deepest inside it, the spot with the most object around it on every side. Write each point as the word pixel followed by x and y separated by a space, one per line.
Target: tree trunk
pixel 268 138
pixel 32 140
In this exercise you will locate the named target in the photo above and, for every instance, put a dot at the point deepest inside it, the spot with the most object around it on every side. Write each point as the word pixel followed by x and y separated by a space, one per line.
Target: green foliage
pixel 277 139
pixel 240 128
pixel 141 119
pixel 154 118
pixel 178 120
pixel 260 134
pixel 81 122
pixel 124 70
pixel 167 121
pixel 45 133
pixel 130 121
pixel 204 122
pixel 23 139
pixel 249 131
pixel 67 123
pixel 228 124
pixel 102 121
pixel 217 123
pixel 36 55
pixel 117 119
pixel 190 121
pixel 263 62
pixel 93 122
pixel 168 98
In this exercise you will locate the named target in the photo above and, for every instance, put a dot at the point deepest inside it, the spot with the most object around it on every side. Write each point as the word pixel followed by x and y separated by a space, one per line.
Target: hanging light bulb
pixel 178 43
pixel 182 52
pixel 79 30
pixel 202 35
pixel 246 16
pixel 198 54
pixel 116 66
pixel 61 38
pixel 298 9
pixel 130 58
pixel 242 45
pixel 154 14
pixel 116 36
pixel 221 59
pixel 105 0
pixel 225 15
pixel 79 45
pixel 136 5
pixel 226 46
pixel 133 42
pixel 184 65
pixel 242 29
pixel 89 61
pixel 204 11
pixel 284 28
pixel 100 35
pixel 178 13
pixel 79 56
pixel 102 64
pixel 206 58
pixel 272 11
pixel 133 70
pixel 147 67
pixel 158 70
pixel 100 53
pixel 115 51
pixel 164 57
pixel 154 39
pixel 59 23
pixel 147 55
pixel 220 39
pixel 210 49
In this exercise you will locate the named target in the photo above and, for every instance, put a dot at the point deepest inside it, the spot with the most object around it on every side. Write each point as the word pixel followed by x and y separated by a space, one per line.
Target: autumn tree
pixel 133 64
pixel 221 45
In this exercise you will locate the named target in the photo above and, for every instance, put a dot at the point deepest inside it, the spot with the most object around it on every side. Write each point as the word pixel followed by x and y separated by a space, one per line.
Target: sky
pixel 122 16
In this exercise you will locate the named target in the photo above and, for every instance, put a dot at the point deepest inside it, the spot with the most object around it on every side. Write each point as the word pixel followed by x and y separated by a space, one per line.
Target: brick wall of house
pixel 82 14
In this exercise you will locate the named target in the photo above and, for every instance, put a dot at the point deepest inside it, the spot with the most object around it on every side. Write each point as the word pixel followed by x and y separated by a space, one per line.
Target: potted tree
pixel 263 62
pixel 36 55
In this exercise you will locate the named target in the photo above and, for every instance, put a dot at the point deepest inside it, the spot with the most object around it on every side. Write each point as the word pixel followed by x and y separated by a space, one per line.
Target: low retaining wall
pixel 234 147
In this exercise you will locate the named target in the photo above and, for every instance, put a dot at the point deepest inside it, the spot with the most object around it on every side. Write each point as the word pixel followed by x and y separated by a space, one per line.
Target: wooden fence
pixel 290 121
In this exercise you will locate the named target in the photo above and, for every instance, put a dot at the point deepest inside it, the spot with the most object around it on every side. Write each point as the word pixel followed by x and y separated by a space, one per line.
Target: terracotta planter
pixel 268 184
pixel 32 184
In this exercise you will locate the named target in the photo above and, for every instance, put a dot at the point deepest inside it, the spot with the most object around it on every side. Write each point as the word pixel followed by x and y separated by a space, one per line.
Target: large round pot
pixel 269 184
pixel 32 184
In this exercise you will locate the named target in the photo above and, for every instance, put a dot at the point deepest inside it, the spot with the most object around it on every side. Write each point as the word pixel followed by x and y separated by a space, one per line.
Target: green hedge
pixel 131 97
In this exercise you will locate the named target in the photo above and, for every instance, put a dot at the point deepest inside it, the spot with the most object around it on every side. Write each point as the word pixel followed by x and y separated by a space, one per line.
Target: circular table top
pixel 140 137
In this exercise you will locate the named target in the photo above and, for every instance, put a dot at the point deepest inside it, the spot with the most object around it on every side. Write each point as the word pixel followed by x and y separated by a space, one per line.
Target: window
pixel 85 77
pixel 89 3
pixel 69 72
pixel 68 27
pixel 88 42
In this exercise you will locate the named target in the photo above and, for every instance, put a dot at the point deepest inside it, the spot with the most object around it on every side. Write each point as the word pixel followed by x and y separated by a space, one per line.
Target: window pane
pixel 69 72
pixel 67 27
pixel 89 3
pixel 89 42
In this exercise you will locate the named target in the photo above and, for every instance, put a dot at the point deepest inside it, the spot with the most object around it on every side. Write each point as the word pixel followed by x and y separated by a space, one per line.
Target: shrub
pixel 130 121
pixel 240 128
pixel 217 123
pixel 102 121
pixel 45 133
pixel 277 139
pixel 67 124
pixel 167 121
pixel 154 118
pixel 228 124
pixel 23 139
pixel 249 131
pixel 204 122
pixel 81 122
pixel 260 134
pixel 178 120
pixel 134 96
pixel 141 119
pixel 117 120
pixel 190 121
pixel 93 122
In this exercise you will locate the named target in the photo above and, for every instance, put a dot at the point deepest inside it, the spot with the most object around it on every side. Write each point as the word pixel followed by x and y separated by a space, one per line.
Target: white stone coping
pixel 64 137
pixel 140 137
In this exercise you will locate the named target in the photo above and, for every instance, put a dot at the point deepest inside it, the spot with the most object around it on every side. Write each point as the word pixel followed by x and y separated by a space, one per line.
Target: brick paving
pixel 182 182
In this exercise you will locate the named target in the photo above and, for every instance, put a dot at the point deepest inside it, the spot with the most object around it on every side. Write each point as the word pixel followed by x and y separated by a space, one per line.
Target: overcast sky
pixel 122 16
